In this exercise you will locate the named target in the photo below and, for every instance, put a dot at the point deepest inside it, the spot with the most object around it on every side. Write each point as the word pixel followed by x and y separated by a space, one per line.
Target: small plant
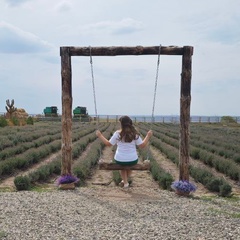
pixel 30 121
pixel 67 179
pixel 15 121
pixel 183 186
pixel 22 183
pixel 116 177
pixel 225 190
pixel 3 122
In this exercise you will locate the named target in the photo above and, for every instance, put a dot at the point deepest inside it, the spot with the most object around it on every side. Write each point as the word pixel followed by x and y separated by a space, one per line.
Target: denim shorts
pixel 127 163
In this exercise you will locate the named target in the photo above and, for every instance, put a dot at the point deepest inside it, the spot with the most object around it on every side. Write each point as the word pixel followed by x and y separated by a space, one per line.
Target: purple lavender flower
pixel 183 186
pixel 67 179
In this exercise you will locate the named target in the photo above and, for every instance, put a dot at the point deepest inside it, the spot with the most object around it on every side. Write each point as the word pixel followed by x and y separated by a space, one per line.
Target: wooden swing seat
pixel 114 166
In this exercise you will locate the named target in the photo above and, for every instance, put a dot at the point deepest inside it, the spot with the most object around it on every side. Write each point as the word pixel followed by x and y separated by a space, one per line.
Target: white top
pixel 126 152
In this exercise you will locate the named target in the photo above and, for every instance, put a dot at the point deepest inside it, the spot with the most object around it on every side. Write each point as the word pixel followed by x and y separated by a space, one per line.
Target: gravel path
pixel 98 213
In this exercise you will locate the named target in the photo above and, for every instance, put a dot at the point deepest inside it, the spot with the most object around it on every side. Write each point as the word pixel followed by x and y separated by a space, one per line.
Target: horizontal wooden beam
pixel 122 50
pixel 114 166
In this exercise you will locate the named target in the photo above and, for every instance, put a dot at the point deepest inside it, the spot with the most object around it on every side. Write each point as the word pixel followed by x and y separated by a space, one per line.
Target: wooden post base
pixel 113 166
pixel 67 186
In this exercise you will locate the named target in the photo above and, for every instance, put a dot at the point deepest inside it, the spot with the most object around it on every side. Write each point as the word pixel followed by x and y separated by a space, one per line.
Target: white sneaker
pixel 121 184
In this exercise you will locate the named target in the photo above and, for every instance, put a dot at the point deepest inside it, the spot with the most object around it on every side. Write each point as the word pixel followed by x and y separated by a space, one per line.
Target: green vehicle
pixel 81 113
pixel 51 111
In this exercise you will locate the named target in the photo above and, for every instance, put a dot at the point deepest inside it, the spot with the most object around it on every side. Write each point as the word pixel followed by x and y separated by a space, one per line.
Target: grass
pixel 234 201
pixel 2 234
pixel 43 188
pixel 233 198
pixel 217 211
pixel 6 189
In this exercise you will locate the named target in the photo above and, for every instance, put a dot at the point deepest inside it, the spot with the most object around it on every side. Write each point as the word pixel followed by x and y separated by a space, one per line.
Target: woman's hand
pixel 103 139
pixel 146 139
pixel 98 133
pixel 150 133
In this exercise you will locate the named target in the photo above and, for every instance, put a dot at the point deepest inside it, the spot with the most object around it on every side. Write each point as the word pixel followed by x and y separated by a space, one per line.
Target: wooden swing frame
pixel 185 95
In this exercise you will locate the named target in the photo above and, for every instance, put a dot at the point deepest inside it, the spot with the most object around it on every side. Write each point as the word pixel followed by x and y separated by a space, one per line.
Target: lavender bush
pixel 183 186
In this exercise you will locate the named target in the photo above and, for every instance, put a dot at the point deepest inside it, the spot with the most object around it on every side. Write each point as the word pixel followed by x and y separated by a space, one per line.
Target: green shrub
pixel 22 183
pixel 195 153
pixel 43 173
pixel 225 190
pixel 7 167
pixel 206 157
pixel 214 184
pixel 32 155
pixel 81 172
pixel 163 178
pixel 33 176
pixel 21 162
pixel 154 171
pixel 3 122
pixel 30 121
pixel 57 167
pixel 116 177
pixel 236 158
pixel 210 181
pixel 165 181
pixel 233 171
pixel 200 175
pixel 15 121
pixel 227 167
pixel 228 119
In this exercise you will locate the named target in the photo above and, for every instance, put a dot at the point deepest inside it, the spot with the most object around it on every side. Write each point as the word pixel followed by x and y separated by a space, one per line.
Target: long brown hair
pixel 128 132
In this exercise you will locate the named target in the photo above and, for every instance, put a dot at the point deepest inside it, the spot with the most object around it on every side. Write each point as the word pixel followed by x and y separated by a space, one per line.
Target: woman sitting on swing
pixel 127 138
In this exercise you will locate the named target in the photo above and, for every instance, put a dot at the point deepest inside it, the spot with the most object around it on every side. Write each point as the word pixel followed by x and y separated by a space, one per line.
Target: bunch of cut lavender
pixel 67 179
pixel 183 186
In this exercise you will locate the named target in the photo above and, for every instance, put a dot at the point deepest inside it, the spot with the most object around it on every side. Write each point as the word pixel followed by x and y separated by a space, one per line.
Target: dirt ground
pixel 143 186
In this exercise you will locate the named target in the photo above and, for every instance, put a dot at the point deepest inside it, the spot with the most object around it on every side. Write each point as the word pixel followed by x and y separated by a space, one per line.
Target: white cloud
pixel 63 6
pixel 124 26
pixel 16 41
pixel 14 3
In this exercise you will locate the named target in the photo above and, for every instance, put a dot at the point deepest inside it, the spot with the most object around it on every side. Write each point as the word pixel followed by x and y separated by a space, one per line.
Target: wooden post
pixel 185 101
pixel 66 111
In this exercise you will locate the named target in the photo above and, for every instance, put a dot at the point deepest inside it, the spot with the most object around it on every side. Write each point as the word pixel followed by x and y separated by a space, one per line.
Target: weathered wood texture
pixel 114 166
pixel 115 51
pixel 185 102
pixel 66 112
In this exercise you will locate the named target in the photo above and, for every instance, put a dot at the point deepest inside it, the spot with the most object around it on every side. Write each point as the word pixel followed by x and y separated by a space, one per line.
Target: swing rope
pixel 156 82
pixel 94 97
pixel 154 95
pixel 93 85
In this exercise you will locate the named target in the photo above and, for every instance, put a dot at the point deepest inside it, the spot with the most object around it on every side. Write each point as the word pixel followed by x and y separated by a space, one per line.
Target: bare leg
pixel 124 176
pixel 129 172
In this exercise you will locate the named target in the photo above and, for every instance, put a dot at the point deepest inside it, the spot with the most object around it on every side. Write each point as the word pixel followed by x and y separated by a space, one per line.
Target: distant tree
pixel 228 119
pixel 10 108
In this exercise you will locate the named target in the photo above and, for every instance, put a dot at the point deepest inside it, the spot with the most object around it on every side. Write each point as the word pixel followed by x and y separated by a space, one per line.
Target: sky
pixel 32 32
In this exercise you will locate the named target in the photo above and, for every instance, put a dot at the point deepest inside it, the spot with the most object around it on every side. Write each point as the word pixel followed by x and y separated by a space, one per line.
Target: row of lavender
pixel 22 147
pixel 214 146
